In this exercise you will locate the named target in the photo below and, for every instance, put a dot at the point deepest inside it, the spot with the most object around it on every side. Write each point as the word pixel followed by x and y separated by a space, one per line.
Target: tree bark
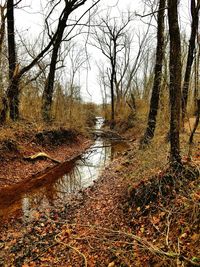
pixel 175 83
pixel 13 88
pixel 49 86
pixel 14 83
pixel 2 35
pixel 112 100
pixel 190 56
pixel 47 96
pixel 154 103
pixel 196 122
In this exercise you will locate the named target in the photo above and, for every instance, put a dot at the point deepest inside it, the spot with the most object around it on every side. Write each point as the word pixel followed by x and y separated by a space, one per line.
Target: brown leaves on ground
pixel 89 234
pixel 170 219
pixel 103 227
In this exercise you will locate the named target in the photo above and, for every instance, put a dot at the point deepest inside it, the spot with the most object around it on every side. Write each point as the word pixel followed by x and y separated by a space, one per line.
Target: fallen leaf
pixel 111 264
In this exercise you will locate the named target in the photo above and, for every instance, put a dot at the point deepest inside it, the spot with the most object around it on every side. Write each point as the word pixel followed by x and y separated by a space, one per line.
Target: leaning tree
pixel 154 103
pixel 69 7
pixel 194 7
pixel 11 97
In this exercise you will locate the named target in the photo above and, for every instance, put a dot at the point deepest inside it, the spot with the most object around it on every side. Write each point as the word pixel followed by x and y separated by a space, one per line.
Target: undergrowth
pixel 164 208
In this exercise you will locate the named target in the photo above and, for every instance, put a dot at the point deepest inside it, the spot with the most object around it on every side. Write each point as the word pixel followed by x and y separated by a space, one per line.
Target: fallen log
pixel 106 134
pixel 41 155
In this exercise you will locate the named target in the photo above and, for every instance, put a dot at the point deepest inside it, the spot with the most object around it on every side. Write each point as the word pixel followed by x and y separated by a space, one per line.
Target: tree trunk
pixel 4 110
pixel 112 100
pixel 71 6
pixel 49 86
pixel 13 88
pixel 196 122
pixel 2 35
pixel 175 83
pixel 13 99
pixel 154 103
pixel 113 81
pixel 190 56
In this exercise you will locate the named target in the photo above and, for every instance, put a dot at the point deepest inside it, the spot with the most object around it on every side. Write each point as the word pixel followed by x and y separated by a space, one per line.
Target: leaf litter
pixel 103 226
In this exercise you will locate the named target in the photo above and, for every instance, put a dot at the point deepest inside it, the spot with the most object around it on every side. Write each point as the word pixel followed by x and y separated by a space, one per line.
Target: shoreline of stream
pixel 57 182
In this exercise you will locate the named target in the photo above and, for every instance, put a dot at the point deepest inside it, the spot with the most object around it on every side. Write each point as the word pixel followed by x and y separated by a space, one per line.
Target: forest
pixel 99 133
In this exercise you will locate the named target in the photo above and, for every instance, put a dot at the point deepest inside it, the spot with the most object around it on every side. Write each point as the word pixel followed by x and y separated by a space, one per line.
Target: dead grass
pixel 166 213
pixel 165 206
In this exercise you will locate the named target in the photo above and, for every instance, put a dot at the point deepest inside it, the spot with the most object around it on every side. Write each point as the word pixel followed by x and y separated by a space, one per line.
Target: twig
pixel 147 245
pixel 73 248
pixel 80 253
pixel 168 225
pixel 179 252
pixel 149 14
pixel 144 243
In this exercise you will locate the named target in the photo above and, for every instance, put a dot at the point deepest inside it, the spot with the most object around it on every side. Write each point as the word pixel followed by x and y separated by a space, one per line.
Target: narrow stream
pixel 60 186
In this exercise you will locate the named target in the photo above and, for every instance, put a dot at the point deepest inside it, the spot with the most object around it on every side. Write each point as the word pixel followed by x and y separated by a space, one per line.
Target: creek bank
pixel 37 242
pixel 59 181
pixel 59 144
pixel 100 227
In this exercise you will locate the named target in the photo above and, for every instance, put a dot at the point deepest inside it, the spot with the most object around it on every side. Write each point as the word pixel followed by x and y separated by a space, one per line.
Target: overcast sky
pixel 29 21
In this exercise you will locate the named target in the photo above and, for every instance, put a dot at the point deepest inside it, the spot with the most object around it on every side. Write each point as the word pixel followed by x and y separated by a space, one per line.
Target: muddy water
pixel 59 185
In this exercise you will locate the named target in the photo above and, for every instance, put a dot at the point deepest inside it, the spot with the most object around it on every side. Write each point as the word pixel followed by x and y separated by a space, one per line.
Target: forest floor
pixel 119 221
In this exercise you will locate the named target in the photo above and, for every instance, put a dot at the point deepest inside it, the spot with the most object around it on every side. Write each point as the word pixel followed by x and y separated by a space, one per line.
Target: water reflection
pixel 70 179
pixel 82 175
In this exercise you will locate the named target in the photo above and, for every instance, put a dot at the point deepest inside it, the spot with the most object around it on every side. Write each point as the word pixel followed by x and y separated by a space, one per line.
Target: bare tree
pixel 149 133
pixel 195 6
pixel 12 93
pixel 175 83
pixel 70 6
pixel 3 15
pixel 130 71
pixel 111 36
pixel 13 88
pixel 11 99
pixel 77 59
pixel 196 95
pixel 148 67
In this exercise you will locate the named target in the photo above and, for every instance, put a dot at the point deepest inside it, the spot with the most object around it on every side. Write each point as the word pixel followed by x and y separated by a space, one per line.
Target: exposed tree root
pixel 166 183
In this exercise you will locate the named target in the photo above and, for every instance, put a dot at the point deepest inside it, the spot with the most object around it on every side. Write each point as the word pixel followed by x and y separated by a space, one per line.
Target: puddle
pixel 60 184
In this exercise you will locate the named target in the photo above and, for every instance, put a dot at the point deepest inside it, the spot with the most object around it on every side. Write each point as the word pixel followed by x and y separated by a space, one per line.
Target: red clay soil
pixel 15 167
